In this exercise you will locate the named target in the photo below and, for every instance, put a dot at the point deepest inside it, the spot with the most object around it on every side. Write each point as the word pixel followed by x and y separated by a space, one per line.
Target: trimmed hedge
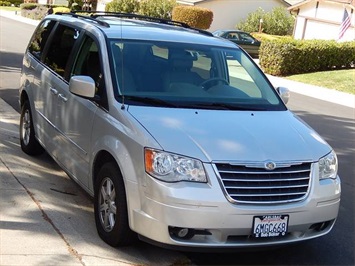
pixel 5 3
pixel 286 56
pixel 195 17
pixel 39 11
pixel 29 6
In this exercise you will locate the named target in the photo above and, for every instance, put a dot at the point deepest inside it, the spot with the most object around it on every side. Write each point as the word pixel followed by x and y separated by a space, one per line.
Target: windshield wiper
pixel 150 101
pixel 226 106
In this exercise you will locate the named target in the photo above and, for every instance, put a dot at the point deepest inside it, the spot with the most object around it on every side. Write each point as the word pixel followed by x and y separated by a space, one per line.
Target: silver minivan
pixel 178 135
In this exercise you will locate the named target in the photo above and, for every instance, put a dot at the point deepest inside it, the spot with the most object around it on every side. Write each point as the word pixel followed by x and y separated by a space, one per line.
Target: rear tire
pixel 29 143
pixel 110 205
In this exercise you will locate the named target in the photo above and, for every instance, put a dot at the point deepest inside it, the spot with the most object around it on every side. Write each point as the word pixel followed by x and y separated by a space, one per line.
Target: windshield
pixel 180 75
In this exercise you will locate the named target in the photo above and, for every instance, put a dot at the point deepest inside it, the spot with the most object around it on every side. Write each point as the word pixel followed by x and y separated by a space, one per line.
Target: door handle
pixel 53 91
pixel 62 97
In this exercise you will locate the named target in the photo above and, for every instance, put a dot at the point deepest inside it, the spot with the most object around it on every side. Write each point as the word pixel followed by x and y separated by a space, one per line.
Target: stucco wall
pixel 227 13
pixel 322 22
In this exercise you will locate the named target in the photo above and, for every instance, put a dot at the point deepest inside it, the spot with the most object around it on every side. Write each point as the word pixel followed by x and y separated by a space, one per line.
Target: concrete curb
pixel 16 16
pixel 325 94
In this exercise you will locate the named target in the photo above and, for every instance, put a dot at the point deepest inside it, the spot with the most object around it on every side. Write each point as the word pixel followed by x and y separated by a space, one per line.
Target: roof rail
pixel 93 15
pixel 73 14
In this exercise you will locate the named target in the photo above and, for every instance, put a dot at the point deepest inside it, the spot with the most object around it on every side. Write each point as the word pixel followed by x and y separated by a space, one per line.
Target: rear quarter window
pixel 60 48
pixel 40 37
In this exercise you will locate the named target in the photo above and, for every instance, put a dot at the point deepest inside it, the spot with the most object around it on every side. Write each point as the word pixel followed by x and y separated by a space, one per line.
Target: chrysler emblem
pixel 270 166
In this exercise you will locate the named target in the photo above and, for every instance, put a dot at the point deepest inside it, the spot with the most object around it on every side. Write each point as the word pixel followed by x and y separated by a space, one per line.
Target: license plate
pixel 270 225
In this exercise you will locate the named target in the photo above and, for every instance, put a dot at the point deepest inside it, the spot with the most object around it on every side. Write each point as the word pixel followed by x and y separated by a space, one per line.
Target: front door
pixel 75 114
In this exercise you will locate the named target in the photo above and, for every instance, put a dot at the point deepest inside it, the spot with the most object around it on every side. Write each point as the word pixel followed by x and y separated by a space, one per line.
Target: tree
pixel 124 6
pixel 252 22
pixel 277 22
pixel 157 8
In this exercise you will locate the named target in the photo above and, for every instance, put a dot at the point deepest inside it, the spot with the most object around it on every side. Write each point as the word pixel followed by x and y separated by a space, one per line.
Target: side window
pixel 40 38
pixel 246 37
pixel 60 48
pixel 88 63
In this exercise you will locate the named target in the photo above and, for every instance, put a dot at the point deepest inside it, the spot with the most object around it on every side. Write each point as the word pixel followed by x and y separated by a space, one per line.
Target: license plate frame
pixel 272 225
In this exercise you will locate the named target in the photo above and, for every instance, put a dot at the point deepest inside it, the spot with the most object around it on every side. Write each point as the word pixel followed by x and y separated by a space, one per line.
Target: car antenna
pixel 123 98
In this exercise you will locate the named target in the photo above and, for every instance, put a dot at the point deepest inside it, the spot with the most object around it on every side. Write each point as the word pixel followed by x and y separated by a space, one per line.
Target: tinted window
pixel 60 48
pixel 88 63
pixel 40 38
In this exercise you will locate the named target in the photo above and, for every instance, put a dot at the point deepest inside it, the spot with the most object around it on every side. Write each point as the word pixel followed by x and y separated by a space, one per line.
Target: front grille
pixel 252 183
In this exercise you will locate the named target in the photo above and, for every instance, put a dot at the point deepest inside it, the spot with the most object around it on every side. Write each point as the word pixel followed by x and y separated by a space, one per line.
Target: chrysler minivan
pixel 178 135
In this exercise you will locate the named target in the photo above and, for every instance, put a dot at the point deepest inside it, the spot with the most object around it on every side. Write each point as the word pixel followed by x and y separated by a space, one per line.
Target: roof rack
pixel 93 15
pixel 73 14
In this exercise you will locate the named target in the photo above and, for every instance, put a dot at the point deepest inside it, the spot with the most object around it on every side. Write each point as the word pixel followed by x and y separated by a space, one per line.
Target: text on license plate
pixel 270 225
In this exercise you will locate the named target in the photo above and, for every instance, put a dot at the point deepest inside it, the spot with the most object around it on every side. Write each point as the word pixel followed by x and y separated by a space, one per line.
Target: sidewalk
pixel 329 95
pixel 321 93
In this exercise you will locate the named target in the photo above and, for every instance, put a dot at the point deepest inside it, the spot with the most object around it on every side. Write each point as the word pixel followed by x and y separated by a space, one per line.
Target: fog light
pixel 181 233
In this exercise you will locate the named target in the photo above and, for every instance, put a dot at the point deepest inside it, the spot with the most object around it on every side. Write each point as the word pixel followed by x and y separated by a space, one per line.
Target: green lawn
pixel 10 8
pixel 341 80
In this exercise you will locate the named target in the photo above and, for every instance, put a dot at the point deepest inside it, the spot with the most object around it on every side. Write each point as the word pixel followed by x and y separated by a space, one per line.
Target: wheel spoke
pixel 107 205
pixel 103 192
pixel 26 127
pixel 113 208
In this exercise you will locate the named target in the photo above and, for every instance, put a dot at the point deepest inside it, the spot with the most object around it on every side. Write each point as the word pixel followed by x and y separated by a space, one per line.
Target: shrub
pixel 33 11
pixel 61 9
pixel 75 4
pixel 157 8
pixel 286 56
pixel 251 23
pixel 125 6
pixel 28 6
pixel 5 3
pixel 195 17
pixel 277 22
pixel 14 2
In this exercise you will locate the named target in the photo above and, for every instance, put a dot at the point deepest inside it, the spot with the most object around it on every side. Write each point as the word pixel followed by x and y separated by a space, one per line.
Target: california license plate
pixel 270 225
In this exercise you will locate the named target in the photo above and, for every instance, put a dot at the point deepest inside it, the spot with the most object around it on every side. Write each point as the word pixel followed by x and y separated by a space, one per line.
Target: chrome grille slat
pixel 250 183
pixel 263 173
pixel 266 195
pixel 273 187
pixel 269 180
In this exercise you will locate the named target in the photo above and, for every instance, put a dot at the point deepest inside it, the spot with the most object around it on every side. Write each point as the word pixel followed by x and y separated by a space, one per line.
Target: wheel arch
pixel 23 98
pixel 101 158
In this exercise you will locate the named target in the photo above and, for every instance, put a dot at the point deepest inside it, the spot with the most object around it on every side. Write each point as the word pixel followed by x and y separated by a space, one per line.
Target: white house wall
pixel 227 13
pixel 323 22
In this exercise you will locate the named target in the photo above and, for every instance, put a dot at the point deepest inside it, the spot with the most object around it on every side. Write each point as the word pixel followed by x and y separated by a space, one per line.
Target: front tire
pixel 110 205
pixel 29 143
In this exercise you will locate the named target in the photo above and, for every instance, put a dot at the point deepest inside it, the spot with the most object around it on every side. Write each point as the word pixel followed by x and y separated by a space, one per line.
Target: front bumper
pixel 216 223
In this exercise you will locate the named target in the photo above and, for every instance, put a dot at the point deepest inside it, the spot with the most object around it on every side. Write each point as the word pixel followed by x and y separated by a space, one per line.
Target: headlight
pixel 328 166
pixel 173 168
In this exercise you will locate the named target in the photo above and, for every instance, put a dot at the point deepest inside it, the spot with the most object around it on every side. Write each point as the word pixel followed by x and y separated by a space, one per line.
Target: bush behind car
pixel 286 56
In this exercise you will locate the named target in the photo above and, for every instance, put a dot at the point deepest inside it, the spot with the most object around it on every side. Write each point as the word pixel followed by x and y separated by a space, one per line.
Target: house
pixel 226 13
pixel 321 19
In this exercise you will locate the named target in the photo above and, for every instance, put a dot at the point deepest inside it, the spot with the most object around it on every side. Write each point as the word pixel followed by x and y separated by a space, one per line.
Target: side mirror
pixel 83 86
pixel 284 94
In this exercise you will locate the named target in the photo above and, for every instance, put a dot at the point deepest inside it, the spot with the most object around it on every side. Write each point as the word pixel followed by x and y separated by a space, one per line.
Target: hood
pixel 220 135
